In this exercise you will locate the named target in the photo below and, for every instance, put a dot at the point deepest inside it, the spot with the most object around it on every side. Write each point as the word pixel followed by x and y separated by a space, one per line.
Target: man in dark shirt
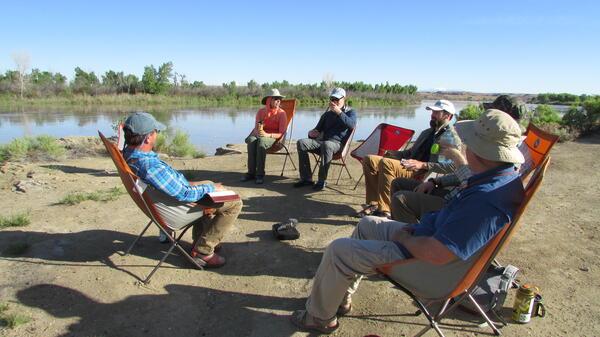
pixel 326 139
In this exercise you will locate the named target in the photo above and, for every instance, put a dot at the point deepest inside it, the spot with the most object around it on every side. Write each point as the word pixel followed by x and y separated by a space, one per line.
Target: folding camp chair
pixel 137 191
pixel 459 277
pixel 535 148
pixel 289 105
pixel 341 155
pixel 385 137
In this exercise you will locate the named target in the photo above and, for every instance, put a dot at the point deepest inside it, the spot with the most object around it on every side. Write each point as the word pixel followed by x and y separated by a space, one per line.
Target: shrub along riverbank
pixel 581 119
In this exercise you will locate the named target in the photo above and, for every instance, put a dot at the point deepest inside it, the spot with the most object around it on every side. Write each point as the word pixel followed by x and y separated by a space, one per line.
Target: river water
pixel 208 128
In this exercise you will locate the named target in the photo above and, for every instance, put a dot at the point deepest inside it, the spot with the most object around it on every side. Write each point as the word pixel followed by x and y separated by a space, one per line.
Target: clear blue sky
pixel 485 46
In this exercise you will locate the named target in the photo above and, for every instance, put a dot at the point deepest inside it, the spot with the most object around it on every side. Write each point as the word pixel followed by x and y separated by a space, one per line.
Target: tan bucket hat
pixel 272 93
pixel 495 135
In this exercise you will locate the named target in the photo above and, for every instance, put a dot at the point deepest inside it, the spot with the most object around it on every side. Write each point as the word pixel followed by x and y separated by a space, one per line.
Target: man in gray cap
pixel 326 139
pixel 447 238
pixel 172 193
pixel 411 199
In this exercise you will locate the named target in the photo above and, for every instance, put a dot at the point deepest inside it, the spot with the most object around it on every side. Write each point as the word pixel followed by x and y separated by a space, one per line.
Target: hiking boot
pixel 209 261
pixel 302 183
pixel 247 177
pixel 319 185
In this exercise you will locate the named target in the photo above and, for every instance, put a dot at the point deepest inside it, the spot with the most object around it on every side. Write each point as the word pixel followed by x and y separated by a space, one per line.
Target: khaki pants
pixel 408 206
pixel 257 154
pixel 379 173
pixel 207 230
pixel 346 260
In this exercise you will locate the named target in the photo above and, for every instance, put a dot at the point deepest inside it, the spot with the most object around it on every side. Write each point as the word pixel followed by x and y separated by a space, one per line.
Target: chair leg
pixel 287 154
pixel 433 320
pixel 160 262
pixel 358 181
pixel 487 319
pixel 138 238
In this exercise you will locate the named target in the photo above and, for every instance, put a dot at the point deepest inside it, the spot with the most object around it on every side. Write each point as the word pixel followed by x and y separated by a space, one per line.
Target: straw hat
pixel 273 93
pixel 495 135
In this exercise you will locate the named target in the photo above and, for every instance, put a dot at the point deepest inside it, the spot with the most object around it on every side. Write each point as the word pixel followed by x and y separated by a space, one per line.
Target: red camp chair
pixel 385 137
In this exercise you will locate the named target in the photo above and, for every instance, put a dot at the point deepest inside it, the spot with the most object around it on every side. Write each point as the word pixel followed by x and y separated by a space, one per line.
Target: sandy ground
pixel 75 281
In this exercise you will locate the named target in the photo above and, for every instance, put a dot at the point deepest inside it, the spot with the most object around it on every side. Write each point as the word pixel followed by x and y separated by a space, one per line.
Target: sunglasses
pixel 333 99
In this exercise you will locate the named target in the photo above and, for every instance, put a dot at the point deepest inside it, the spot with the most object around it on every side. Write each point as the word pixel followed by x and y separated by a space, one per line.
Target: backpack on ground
pixel 490 293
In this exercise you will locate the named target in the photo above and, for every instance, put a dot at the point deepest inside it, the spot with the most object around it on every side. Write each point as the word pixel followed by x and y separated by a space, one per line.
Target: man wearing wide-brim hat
pixel 411 199
pixel 448 238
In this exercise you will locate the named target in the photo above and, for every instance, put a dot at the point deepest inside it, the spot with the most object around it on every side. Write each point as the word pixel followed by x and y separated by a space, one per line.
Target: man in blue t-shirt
pixel 467 223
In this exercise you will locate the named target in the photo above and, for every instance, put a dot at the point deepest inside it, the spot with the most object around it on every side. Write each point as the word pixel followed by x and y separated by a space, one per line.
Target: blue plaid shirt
pixel 163 177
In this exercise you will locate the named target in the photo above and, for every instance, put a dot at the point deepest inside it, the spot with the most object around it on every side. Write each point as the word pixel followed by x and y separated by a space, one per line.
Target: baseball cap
pixel 493 136
pixel 442 104
pixel 338 93
pixel 143 123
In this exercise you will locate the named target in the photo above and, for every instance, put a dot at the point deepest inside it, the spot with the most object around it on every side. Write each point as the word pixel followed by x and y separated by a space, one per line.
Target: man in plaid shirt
pixel 172 193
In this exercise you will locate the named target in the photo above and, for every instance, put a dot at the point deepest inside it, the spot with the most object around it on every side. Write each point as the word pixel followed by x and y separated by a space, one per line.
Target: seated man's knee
pixel 339 247
pixel 371 162
pixel 301 144
pixel 388 163
pixel 367 222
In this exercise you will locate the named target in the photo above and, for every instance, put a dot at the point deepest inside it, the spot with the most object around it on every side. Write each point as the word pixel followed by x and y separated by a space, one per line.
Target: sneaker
pixel 319 185
pixel 303 182
pixel 247 177
pixel 209 261
pixel 259 180
pixel 162 238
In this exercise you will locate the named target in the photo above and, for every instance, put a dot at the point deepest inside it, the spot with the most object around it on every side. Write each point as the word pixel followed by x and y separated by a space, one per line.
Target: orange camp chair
pixel 458 285
pixel 385 137
pixel 289 105
pixel 341 156
pixel 535 148
pixel 137 191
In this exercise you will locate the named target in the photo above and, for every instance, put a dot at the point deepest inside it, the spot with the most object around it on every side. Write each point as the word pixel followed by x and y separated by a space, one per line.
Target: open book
pixel 222 196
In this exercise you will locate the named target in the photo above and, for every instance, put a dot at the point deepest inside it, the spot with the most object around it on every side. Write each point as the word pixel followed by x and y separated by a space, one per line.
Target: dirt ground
pixel 74 280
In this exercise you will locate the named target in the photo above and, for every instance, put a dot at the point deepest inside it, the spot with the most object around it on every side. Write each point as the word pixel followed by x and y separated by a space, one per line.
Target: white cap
pixel 442 104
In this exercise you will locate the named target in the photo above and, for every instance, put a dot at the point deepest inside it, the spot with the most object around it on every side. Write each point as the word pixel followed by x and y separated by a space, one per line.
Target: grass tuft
pixel 78 197
pixel 11 320
pixel 177 144
pixel 16 220
pixel 14 319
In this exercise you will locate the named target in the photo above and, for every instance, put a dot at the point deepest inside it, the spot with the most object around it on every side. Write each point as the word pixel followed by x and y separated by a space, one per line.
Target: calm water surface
pixel 209 128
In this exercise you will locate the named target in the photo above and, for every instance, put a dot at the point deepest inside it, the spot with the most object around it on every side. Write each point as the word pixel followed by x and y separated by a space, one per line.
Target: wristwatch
pixel 432 180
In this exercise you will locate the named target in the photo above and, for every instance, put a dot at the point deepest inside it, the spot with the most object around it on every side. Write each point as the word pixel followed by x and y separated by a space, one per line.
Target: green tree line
pixel 581 119
pixel 562 98
pixel 163 80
